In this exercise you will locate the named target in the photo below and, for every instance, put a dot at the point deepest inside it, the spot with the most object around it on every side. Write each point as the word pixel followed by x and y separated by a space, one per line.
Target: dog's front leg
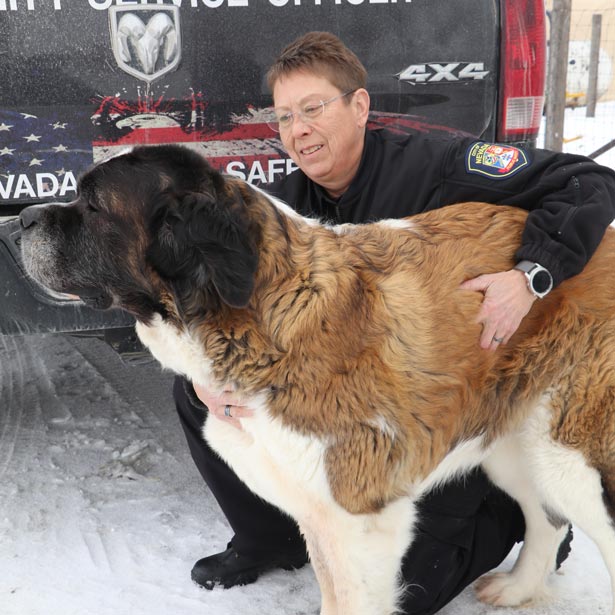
pixel 322 571
pixel 357 557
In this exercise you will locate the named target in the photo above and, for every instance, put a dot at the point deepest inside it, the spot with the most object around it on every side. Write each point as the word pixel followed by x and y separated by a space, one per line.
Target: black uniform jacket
pixel 571 199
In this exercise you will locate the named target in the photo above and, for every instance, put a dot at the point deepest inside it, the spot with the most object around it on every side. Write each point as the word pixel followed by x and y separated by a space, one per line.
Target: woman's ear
pixel 360 102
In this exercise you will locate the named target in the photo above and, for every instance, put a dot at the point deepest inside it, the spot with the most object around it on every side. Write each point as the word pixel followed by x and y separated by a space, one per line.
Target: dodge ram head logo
pixel 145 40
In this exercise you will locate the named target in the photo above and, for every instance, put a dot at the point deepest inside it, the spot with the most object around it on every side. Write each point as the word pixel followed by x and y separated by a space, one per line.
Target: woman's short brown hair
pixel 321 53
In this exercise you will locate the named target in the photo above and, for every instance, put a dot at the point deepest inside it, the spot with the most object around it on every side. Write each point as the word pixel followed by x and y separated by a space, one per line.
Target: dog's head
pixel 149 228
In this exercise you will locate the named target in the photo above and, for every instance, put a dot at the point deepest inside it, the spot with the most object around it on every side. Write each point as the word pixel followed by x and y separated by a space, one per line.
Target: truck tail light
pixel 522 69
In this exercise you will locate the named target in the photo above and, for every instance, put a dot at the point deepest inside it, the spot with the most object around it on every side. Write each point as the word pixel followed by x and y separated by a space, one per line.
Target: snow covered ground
pixel 102 511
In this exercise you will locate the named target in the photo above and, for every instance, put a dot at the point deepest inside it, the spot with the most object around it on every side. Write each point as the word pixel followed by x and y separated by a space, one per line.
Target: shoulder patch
pixel 494 160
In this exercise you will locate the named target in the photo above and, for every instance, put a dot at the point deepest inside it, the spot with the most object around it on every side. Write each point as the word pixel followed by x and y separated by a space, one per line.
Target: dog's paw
pixel 504 589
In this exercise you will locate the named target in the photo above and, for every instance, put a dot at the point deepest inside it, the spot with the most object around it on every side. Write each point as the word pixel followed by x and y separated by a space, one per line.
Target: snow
pixel 102 511
pixel 585 135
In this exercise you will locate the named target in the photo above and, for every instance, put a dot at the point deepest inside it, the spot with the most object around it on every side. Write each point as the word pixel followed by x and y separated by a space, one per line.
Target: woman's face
pixel 326 148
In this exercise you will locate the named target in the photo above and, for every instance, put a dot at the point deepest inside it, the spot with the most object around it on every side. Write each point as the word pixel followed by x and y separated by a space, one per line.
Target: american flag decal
pixel 39 154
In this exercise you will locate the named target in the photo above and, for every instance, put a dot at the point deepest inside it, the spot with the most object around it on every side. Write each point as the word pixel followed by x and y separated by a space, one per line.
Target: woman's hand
pixel 507 301
pixel 225 406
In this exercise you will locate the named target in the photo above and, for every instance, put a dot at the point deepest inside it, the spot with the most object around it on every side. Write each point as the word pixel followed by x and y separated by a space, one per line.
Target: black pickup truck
pixel 82 80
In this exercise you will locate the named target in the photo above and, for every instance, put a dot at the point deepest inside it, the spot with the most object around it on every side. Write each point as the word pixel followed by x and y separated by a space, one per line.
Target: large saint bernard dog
pixel 359 354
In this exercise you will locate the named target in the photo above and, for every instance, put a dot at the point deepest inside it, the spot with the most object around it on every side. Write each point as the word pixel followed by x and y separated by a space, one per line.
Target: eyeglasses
pixel 282 119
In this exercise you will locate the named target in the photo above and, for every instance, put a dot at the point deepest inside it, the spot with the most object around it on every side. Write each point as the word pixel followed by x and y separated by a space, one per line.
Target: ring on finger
pixel 498 340
pixel 227 411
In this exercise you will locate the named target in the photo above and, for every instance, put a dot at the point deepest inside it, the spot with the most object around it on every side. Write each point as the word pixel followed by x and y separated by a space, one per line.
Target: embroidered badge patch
pixel 494 160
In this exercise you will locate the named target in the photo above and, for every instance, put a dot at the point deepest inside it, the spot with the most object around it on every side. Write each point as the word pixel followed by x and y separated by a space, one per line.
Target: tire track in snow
pixel 144 388
pixel 15 359
pixel 27 396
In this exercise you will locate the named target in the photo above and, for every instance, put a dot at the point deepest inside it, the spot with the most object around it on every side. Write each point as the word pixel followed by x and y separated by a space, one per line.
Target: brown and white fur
pixel 359 354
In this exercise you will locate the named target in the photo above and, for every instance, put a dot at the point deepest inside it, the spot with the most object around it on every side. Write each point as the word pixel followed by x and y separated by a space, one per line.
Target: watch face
pixel 541 281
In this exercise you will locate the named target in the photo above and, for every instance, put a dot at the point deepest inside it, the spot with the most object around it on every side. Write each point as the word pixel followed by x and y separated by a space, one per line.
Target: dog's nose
pixel 30 215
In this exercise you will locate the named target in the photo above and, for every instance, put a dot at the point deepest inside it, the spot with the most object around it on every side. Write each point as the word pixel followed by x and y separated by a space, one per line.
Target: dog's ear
pixel 203 241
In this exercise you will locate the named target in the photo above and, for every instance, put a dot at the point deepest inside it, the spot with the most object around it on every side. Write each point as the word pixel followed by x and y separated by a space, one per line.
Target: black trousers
pixel 465 528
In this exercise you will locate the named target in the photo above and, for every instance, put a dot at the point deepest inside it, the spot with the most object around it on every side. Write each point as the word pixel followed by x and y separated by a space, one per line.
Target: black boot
pixel 564 549
pixel 230 568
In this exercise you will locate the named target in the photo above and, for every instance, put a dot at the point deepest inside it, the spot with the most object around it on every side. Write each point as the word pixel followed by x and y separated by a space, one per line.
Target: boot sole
pixel 249 576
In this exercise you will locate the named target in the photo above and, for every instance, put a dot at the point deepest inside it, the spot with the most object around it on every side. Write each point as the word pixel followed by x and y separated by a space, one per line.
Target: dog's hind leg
pixel 579 491
pixel 588 510
pixel 568 486
pixel 526 582
pixel 572 486
pixel 359 557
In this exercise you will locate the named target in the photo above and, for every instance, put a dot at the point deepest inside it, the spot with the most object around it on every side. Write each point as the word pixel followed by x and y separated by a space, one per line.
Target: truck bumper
pixel 27 308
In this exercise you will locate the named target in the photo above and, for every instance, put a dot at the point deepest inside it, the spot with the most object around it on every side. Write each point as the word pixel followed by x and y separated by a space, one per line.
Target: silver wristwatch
pixel 539 280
